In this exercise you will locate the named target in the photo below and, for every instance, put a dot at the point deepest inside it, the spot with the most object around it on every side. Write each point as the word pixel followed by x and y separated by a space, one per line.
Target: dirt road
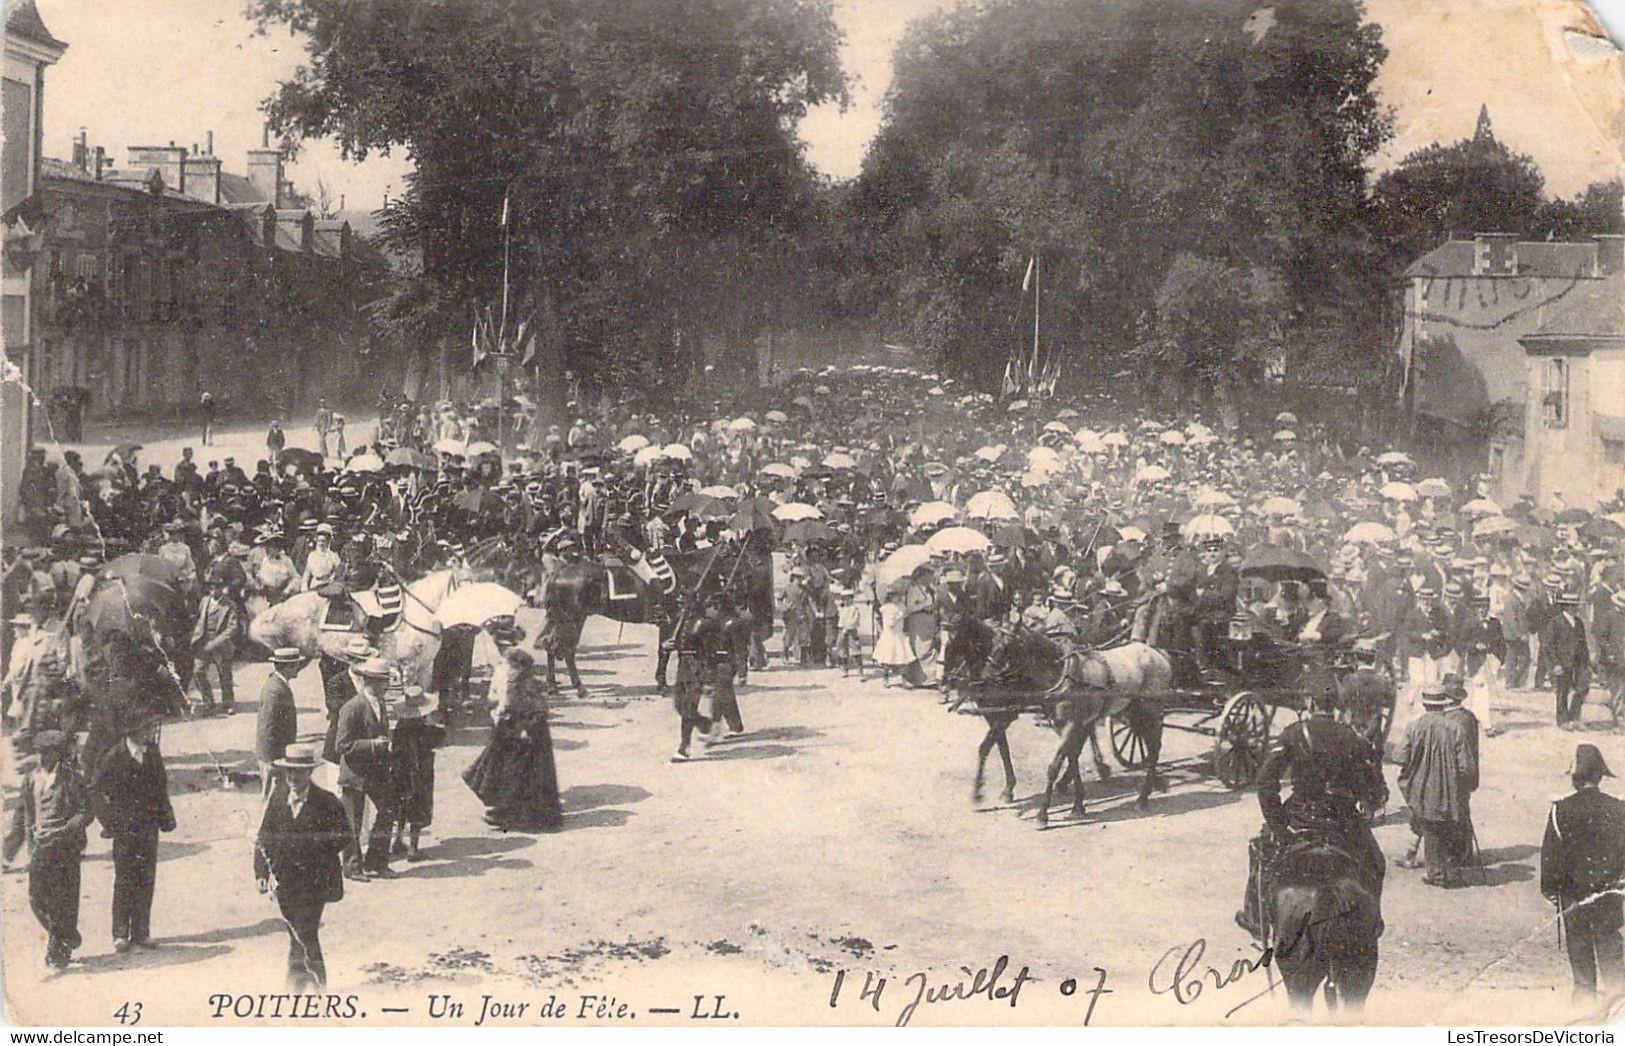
pixel 838 835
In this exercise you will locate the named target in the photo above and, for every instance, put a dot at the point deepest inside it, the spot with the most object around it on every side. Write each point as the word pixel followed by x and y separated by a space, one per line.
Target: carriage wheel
pixel 1129 744
pixel 1243 736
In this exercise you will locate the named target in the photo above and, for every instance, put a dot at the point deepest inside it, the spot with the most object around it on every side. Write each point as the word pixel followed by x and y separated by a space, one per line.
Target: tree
pixel 1212 325
pixel 1599 208
pixel 1112 138
pixel 1474 185
pixel 643 151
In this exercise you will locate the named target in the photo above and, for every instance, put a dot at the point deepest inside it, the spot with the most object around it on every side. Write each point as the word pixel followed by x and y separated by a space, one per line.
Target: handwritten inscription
pixel 988 983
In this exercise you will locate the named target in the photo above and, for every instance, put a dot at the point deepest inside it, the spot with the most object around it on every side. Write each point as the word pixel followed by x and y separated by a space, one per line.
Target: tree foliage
pixel 1118 140
pixel 647 149
pixel 1474 185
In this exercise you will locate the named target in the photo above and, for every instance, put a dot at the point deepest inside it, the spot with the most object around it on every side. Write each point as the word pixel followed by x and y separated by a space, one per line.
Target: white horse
pixel 410 642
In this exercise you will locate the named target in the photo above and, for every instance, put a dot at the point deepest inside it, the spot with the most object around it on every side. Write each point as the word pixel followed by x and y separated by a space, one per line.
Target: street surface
pixel 838 835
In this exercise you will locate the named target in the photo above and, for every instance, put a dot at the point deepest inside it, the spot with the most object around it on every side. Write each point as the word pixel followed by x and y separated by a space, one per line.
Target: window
pixel 1554 387
pixel 90 266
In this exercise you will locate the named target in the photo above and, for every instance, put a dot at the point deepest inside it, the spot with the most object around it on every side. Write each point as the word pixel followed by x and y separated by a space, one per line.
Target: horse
pixel 576 591
pixel 309 622
pixel 1090 685
pixel 1325 922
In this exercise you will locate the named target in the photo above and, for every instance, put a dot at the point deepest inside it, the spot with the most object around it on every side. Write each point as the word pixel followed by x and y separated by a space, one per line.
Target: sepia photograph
pixel 826 513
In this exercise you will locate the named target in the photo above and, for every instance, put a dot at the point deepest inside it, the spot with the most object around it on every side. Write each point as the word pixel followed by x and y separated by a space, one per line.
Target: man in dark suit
pixel 1568 658
pixel 362 741
pixel 1582 868
pixel 296 861
pixel 1212 596
pixel 277 726
pixel 130 794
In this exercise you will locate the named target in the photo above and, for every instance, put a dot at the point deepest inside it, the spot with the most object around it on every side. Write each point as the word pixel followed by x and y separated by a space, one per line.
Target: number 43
pixel 129 1013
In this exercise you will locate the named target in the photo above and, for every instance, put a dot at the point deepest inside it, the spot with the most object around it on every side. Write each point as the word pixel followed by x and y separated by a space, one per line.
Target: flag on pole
pixel 1027 280
pixel 504 210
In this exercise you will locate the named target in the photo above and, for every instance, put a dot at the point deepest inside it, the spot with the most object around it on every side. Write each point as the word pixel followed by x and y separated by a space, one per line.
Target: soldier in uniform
pixel 1582 870
pixel 688 639
pixel 1334 773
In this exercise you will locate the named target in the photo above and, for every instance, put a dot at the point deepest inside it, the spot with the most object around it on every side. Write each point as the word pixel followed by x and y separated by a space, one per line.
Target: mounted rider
pixel 1335 772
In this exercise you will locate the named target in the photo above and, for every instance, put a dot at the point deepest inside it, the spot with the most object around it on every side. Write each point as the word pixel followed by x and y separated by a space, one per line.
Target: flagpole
pixel 1038 280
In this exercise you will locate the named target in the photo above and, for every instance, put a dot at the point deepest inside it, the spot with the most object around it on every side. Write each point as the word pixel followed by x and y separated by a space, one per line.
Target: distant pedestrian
pixel 206 407
pixel 275 440
pixel 365 770
pixel 1438 772
pixel 296 861
pixel 1582 871
pixel 214 641
pixel 277 724
pixel 130 792
pixel 51 814
pixel 1568 659
pixel 324 423
pixel 418 732
pixel 338 436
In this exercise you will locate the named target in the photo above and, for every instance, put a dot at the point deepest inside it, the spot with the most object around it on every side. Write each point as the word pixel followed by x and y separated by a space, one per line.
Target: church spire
pixel 1483 132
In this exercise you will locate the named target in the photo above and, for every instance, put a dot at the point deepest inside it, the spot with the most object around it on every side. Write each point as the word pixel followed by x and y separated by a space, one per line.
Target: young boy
pixel 848 647
pixel 51 814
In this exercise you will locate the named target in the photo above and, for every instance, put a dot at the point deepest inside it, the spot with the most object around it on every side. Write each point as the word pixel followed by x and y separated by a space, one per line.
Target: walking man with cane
pixel 1582 871
pixel 296 861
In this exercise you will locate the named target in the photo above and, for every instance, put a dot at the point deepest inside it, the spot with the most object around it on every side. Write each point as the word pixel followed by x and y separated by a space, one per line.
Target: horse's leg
pixel 1003 741
pixel 981 760
pixel 1075 759
pixel 1054 771
pixel 552 679
pixel 1102 770
pixel 663 655
pixel 1148 714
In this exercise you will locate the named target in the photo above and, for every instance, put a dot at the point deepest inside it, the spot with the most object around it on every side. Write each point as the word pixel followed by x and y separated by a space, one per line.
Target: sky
pixel 144 72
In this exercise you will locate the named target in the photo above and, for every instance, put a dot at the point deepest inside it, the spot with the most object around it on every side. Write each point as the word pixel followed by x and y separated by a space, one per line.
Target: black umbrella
pixel 1281 564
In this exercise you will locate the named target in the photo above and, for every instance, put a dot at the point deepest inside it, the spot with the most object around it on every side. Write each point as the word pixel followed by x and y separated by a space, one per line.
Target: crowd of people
pixel 894 503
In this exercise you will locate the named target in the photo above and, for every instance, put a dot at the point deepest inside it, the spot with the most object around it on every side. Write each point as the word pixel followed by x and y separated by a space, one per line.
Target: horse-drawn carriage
pixel 1237 694
pixel 1253 680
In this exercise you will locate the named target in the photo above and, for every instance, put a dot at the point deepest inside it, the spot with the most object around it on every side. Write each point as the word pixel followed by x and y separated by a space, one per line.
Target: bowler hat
pixel 1588 762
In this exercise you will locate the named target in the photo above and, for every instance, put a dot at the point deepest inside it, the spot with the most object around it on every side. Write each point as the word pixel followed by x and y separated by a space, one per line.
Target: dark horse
pixel 1079 687
pixel 577 591
pixel 999 701
pixel 1325 920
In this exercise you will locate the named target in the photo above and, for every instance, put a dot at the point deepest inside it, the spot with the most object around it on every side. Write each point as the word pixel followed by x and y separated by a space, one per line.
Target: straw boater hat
pixel 287 655
pixel 416 703
pixel 1435 695
pixel 299 757
pixel 372 668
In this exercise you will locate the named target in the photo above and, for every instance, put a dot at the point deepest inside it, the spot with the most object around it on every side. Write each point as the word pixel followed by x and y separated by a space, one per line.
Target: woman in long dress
pixel 892 652
pixel 920 626
pixel 516 776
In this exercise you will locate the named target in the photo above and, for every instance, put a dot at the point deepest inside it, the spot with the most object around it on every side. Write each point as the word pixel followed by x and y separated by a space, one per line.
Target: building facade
pixel 1465 307
pixel 170 277
pixel 1570 449
pixel 30 50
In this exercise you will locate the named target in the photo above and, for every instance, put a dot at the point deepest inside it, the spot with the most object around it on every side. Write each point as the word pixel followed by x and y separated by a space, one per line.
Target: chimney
pixel 208 143
pixel 1495 254
pixel 203 178
pixel 1610 253
pixel 265 172
pixel 100 158
pixel 170 160
pixel 81 150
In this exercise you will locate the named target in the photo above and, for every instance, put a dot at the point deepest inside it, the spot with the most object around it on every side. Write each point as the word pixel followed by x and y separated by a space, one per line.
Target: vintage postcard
pixel 724 513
